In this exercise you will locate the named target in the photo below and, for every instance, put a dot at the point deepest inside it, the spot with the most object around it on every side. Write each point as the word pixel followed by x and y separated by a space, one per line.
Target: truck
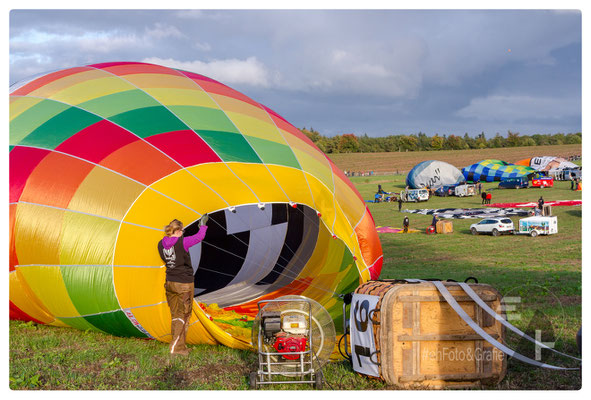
pixel 538 225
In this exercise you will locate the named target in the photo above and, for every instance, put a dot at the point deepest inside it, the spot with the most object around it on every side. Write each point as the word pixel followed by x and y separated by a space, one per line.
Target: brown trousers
pixel 180 300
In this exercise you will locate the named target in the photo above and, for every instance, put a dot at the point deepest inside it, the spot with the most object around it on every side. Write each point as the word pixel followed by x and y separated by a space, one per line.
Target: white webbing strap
pixel 460 311
pixel 474 296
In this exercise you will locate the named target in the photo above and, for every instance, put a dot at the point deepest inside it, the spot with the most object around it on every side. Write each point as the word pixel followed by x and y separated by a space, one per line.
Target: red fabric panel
pixel 140 161
pixel 16 313
pixel 22 160
pixel 44 80
pixel 369 244
pixel 184 146
pixel 97 141
pixel 55 180
pixel 121 69
pixel 12 258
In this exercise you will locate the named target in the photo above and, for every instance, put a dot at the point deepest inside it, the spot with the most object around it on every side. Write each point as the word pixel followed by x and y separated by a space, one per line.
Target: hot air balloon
pixel 494 170
pixel 433 173
pixel 103 156
pixel 547 163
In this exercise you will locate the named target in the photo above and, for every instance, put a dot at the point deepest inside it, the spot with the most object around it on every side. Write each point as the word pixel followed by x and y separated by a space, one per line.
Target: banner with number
pixel 363 347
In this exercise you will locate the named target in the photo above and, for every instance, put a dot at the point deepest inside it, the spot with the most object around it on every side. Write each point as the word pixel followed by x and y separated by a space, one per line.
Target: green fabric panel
pixel 90 288
pixel 230 146
pixel 113 104
pixel 351 280
pixel 273 152
pixel 204 118
pixel 149 121
pixel 59 128
pixel 115 323
pixel 33 118
pixel 10 147
pixel 79 323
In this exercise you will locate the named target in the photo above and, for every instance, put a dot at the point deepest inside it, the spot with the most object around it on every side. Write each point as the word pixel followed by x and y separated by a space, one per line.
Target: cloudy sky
pixel 379 72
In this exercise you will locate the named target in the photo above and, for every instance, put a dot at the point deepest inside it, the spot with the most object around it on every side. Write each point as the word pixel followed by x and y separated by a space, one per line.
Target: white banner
pixel 363 347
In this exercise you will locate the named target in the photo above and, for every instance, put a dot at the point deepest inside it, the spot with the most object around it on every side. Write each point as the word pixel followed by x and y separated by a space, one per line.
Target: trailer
pixel 538 225
pixel 542 182
pixel 465 190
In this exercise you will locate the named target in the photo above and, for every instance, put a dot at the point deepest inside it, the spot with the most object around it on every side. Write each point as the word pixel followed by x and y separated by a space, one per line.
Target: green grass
pixel 545 272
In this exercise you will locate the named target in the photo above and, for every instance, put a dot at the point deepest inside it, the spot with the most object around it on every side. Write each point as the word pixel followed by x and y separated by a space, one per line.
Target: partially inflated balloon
pixel 433 173
pixel 103 156
pixel 494 170
pixel 547 163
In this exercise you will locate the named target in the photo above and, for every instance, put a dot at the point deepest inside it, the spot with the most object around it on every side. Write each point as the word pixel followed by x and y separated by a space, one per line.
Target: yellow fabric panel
pixel 343 228
pixel 47 284
pixel 145 81
pixel 37 232
pixel 154 210
pixel 185 188
pixel 197 333
pixel 182 97
pixel 221 179
pixel 105 193
pixel 137 246
pixel 219 334
pixel 324 280
pixel 297 188
pixel 18 105
pixel 25 300
pixel 323 199
pixel 237 106
pixel 155 319
pixel 92 89
pixel 350 203
pixel 87 240
pixel 312 165
pixel 136 286
pixel 260 180
pixel 52 88
pixel 251 126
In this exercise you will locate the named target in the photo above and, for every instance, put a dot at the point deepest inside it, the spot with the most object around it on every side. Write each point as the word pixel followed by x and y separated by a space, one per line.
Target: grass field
pixel 544 272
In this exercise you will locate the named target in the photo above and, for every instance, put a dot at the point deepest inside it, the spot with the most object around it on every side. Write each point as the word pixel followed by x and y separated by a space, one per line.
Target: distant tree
pixel 471 142
pixel 437 142
pixel 481 142
pixel 497 141
pixel 407 143
pixel 573 138
pixel 348 143
pixel 453 142
pixel 513 139
pixel 527 141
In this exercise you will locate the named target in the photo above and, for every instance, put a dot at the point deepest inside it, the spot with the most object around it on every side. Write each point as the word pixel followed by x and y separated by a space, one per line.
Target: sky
pixel 374 72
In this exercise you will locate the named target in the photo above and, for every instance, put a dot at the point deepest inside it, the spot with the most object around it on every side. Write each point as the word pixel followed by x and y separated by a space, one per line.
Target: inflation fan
pixel 294 337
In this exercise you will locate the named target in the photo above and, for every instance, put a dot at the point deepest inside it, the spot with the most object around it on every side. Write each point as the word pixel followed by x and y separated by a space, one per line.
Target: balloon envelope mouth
pixel 250 251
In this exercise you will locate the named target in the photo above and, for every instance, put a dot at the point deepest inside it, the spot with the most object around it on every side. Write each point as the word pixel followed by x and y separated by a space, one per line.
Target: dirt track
pixel 403 161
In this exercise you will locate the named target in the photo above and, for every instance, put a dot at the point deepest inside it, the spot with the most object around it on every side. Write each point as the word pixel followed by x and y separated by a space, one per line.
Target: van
pixel 414 195
pixel 514 183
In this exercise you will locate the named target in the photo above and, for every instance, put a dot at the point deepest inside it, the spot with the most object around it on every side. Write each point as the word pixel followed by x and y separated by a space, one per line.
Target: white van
pixel 535 226
pixel 414 195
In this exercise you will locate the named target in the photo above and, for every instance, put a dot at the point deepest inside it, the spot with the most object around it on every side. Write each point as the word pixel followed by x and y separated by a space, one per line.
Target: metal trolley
pixel 273 366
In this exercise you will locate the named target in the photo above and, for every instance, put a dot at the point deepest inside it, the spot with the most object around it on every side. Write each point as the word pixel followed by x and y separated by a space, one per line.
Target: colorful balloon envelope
pixel 494 170
pixel 432 174
pixel 547 163
pixel 103 156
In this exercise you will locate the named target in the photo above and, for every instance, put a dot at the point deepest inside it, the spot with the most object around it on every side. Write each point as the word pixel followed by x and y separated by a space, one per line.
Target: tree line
pixel 350 143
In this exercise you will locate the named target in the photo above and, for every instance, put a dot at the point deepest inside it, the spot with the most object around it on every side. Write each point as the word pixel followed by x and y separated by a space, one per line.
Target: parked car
pixel 542 182
pixel 514 183
pixel 495 226
pixel 444 191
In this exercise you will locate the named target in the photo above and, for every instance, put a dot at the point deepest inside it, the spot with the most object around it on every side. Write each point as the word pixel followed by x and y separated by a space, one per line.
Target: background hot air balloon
pixel 494 170
pixel 103 156
pixel 547 163
pixel 433 173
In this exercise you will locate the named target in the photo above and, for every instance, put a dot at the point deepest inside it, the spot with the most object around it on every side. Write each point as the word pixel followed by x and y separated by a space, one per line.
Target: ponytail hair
pixel 175 225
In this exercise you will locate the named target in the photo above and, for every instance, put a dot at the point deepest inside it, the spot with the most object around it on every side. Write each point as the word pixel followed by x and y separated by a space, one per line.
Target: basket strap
pixel 460 311
pixel 470 292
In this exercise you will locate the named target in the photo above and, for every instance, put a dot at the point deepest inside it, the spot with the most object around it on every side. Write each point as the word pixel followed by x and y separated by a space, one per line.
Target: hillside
pixel 399 162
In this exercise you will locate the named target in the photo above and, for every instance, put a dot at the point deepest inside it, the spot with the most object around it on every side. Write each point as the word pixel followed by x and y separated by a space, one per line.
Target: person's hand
pixel 203 220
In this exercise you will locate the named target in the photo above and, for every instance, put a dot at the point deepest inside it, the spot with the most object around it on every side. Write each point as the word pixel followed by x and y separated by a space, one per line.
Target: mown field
pixel 543 272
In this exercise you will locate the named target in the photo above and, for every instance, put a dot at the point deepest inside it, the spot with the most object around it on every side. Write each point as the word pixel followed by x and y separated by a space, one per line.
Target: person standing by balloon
pixel 180 283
